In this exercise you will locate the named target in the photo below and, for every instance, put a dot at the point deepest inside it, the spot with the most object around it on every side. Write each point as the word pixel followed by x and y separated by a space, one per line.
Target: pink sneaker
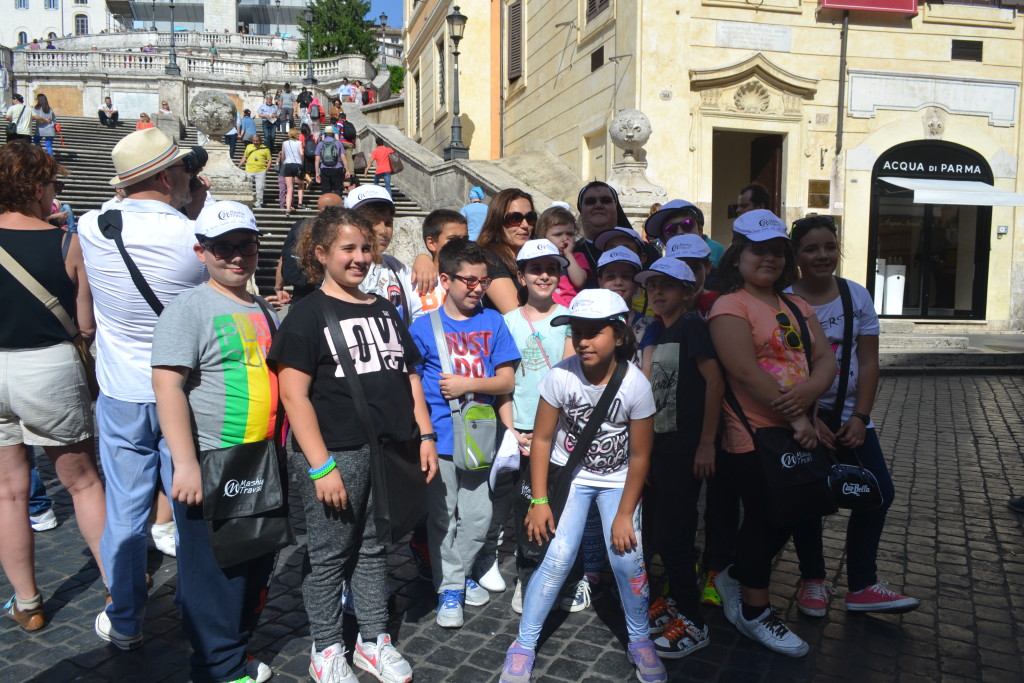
pixel 812 598
pixel 878 598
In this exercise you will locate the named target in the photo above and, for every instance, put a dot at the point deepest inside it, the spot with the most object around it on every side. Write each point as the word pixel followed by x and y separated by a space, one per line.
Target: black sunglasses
pixel 224 251
pixel 590 201
pixel 789 332
pixel 58 185
pixel 813 221
pixel 517 218
pixel 762 249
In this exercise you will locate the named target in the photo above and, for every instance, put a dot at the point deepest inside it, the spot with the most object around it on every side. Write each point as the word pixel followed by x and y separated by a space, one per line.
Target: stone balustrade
pixel 182 39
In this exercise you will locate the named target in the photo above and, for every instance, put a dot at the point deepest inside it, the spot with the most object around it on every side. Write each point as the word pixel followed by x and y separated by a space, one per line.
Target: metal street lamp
pixel 153 27
pixel 383 37
pixel 309 79
pixel 456 28
pixel 172 68
pixel 278 3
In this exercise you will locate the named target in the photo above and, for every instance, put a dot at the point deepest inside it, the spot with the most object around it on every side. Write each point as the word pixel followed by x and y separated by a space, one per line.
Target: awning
pixel 963 192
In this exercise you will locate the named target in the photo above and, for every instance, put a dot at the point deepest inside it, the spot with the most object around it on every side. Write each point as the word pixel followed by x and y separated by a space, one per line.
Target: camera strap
pixel 111 225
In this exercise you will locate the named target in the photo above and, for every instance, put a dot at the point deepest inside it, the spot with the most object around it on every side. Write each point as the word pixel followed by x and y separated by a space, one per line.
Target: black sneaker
pixel 1016 504
pixel 680 638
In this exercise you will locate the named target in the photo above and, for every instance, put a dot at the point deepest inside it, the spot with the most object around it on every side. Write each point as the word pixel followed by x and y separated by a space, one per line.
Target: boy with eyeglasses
pixel 213 388
pixel 484 357
pixel 680 217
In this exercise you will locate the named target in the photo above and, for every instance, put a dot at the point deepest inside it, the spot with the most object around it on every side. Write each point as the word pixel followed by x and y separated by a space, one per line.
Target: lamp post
pixel 278 3
pixel 153 27
pixel 309 79
pixel 456 28
pixel 172 68
pixel 383 36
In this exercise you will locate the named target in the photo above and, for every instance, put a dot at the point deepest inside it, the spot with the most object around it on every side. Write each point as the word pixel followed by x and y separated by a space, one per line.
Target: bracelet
pixel 323 470
pixel 539 501
pixel 432 436
pixel 865 418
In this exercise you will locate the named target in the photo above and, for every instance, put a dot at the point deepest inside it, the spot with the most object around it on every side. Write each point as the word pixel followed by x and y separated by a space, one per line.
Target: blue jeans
pixel 268 134
pixel 46 141
pixel 387 180
pixel 863 530
pixel 629 569
pixel 135 460
pixel 38 501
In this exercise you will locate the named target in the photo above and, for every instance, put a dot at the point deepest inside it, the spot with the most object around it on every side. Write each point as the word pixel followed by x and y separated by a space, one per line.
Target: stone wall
pixel 65 100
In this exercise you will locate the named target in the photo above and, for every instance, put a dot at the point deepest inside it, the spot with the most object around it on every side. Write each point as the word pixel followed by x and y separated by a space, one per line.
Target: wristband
pixel 432 436
pixel 323 470
pixel 861 416
pixel 539 501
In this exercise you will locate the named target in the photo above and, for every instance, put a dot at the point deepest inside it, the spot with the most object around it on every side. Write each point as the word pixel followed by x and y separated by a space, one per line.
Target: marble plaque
pixel 753 36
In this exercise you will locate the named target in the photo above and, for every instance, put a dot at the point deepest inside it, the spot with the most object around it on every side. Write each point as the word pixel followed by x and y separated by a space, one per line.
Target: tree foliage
pixel 339 28
pixel 397 78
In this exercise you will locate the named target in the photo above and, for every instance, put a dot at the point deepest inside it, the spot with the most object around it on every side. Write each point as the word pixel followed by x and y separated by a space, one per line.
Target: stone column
pixel 214 114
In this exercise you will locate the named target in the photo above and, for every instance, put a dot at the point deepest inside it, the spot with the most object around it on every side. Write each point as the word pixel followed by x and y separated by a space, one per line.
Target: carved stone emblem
pixel 752 98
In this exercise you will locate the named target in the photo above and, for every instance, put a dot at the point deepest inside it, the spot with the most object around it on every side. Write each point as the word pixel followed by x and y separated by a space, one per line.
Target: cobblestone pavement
pixel 953 446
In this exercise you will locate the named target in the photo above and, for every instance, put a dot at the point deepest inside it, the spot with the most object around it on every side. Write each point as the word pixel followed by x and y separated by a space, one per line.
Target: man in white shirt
pixel 155 178
pixel 108 115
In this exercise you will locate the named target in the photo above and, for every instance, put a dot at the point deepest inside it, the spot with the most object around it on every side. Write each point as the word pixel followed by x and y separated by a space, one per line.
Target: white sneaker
pixel 577 601
pixel 106 631
pixel 330 665
pixel 517 598
pixel 381 660
pixel 257 670
pixel 163 538
pixel 729 590
pixel 769 630
pixel 44 521
pixel 492 579
pixel 476 596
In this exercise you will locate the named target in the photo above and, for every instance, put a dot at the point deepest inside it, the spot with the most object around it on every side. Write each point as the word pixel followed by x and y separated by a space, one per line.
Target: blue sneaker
pixel 518 664
pixel 449 609
pixel 476 595
pixel 644 656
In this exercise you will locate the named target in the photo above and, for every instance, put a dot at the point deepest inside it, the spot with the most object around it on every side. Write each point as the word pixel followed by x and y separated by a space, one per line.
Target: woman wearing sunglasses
pixel 508 226
pixel 758 339
pixel 816 243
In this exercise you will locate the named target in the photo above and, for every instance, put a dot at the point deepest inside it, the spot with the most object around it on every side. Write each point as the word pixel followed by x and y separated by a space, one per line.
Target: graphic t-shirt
pixel 428 302
pixel 833 320
pixel 224 343
pixel 383 354
pixel 389 279
pixel 677 383
pixel 476 346
pixel 566 388
pixel 787 366
pixel 534 366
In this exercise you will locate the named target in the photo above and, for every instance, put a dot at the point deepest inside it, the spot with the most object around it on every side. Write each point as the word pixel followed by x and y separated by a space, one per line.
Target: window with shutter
pixel 595 7
pixel 515 40
pixel 416 94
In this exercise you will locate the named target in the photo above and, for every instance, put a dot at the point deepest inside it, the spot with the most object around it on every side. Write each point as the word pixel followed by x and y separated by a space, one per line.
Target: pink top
pixel 566 291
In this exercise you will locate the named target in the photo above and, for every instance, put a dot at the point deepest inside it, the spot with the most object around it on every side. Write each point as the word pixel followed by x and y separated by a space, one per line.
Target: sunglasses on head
pixel 789 332
pixel 762 249
pixel 473 282
pixel 224 251
pixel 590 201
pixel 814 221
pixel 680 227
pixel 517 218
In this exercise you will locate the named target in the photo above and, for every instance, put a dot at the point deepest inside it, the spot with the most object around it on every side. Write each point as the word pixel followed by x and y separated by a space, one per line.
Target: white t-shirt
pixel 389 279
pixel 832 319
pixel 159 239
pixel 565 388
pixel 292 151
pixel 539 345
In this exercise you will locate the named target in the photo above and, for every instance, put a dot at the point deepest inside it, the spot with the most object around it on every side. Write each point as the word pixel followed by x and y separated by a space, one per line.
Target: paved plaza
pixel 954 447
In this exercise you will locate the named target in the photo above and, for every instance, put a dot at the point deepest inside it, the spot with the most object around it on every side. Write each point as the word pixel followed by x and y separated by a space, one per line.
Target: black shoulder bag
pixel 111 225
pixel 796 478
pixel 245 494
pixel 854 487
pixel 398 485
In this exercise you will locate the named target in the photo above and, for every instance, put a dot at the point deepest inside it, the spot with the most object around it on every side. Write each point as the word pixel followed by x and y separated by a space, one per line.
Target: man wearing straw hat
pixel 157 239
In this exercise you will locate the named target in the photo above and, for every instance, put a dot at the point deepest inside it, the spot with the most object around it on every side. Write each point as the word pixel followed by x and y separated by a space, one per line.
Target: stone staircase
pixel 86 155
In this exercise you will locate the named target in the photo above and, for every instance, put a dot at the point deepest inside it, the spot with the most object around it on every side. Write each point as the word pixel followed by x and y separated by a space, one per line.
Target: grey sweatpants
pixel 342 546
pixel 458 516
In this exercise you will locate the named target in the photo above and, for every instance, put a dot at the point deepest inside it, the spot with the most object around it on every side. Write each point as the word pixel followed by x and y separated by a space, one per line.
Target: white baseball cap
pixel 760 225
pixel 365 194
pixel 540 249
pixel 594 304
pixel 669 266
pixel 220 218
pixel 601 240
pixel 619 254
pixel 687 246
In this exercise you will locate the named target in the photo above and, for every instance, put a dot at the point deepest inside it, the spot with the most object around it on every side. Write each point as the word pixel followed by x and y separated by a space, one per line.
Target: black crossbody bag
pixel 796 478
pixel 854 487
pixel 398 484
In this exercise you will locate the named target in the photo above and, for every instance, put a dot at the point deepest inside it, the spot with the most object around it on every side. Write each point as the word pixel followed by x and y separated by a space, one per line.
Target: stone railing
pixel 40 64
pixel 182 39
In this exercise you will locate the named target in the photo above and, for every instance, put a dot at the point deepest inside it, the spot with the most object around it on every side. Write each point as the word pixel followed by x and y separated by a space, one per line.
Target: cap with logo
pixel 656 222
pixel 220 218
pixel 364 194
pixel 687 246
pixel 619 254
pixel 760 225
pixel 601 240
pixel 594 304
pixel 667 266
pixel 542 248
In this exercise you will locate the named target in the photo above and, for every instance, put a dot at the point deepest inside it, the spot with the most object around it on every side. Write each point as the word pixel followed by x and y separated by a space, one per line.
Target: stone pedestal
pixel 214 114
pixel 630 131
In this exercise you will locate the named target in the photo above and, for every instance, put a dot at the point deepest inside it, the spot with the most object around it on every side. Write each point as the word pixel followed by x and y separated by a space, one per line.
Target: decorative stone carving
pixel 214 114
pixel 751 98
pixel 752 87
pixel 934 120
pixel 630 130
pixel 709 98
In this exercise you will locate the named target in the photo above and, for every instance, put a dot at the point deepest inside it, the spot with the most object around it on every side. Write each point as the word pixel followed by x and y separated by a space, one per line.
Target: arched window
pixel 22 38
pixel 81 24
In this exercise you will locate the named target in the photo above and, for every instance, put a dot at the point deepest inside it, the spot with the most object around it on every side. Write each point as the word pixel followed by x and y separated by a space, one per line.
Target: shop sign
pixel 896 6
pixel 932 161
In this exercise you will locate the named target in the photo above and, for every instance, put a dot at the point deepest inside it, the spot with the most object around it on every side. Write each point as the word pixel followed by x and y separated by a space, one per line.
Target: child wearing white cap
pixel 615 271
pixel 197 342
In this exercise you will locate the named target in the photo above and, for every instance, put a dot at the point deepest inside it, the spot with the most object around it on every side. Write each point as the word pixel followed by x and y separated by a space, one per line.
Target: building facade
pixel 50 19
pixel 905 126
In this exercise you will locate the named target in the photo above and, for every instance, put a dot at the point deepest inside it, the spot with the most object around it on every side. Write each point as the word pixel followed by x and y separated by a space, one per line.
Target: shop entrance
pixel 931 248
pixel 738 159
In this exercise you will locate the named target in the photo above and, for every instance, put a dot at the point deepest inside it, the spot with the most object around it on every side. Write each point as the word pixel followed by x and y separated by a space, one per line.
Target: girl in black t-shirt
pixel 331 455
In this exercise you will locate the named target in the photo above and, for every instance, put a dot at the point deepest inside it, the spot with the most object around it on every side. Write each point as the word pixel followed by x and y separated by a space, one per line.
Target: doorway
pixel 738 159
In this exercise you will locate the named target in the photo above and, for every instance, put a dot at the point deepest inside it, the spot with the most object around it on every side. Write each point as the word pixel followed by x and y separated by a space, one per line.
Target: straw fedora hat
pixel 142 154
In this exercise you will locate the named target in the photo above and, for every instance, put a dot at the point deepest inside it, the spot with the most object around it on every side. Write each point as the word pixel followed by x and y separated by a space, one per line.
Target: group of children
pixel 543 366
